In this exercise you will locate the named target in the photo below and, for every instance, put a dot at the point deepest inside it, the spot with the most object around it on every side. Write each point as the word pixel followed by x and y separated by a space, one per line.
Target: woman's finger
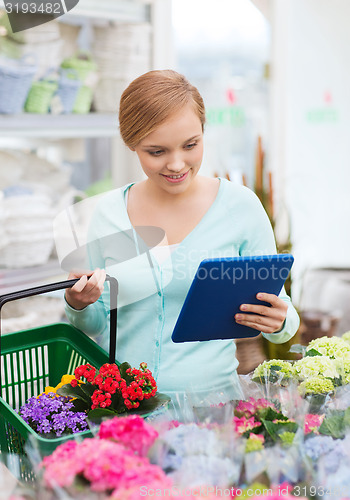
pixel 261 326
pixel 260 323
pixel 80 285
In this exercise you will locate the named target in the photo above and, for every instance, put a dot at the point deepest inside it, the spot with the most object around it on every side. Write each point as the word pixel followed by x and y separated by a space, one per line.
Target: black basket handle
pixel 60 285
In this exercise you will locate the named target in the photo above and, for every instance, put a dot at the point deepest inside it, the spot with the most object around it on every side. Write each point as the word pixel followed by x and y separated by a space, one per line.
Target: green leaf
pixel 149 405
pixel 73 392
pixel 98 413
pixel 312 352
pixel 275 368
pixel 347 418
pixel 297 348
pixel 123 367
pixel 88 389
pixel 80 405
pixel 334 424
pixel 271 414
pixel 276 428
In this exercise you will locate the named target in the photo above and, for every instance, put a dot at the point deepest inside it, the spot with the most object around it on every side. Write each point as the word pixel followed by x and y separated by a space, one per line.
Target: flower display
pixel 52 414
pixel 333 347
pixel 318 445
pixel 244 424
pixel 346 336
pixel 312 423
pixel 274 370
pixel 113 389
pixel 279 437
pixel 66 379
pixel 287 438
pixel 312 366
pixel 193 454
pixel 316 385
pixel 253 407
pixel 261 417
pixel 131 432
pixel 255 442
pixel 107 466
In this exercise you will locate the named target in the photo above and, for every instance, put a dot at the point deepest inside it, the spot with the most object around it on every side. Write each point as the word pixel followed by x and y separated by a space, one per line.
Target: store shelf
pixel 62 126
pixel 121 10
pixel 12 280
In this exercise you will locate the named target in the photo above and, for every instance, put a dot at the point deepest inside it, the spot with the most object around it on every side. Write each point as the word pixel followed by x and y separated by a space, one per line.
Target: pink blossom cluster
pixel 106 465
pixel 243 424
pixel 132 432
pixel 312 423
pixel 252 407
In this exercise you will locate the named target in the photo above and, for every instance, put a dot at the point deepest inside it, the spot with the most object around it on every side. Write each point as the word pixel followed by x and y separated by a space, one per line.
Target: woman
pixel 162 120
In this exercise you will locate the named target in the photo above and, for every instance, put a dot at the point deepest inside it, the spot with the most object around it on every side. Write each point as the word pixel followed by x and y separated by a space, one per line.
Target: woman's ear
pixel 131 149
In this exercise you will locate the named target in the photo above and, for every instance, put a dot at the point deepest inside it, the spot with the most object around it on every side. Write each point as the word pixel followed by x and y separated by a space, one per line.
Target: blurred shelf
pixel 12 280
pixel 116 10
pixel 60 126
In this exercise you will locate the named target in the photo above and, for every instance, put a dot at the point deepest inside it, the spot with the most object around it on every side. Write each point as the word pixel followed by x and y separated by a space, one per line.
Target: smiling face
pixel 172 155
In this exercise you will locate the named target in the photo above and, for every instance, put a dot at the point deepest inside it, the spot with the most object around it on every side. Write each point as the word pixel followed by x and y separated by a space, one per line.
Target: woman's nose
pixel 176 163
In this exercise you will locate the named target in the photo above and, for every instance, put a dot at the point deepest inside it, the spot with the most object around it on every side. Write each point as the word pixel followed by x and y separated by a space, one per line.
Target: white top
pixel 159 252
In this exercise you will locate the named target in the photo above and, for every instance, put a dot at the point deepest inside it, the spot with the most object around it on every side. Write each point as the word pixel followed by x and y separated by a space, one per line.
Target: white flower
pixel 333 347
pixel 346 336
pixel 312 366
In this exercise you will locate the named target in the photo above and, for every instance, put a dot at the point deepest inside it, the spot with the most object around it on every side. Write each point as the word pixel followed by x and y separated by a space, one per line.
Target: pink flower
pixel 105 464
pixel 252 406
pixel 312 423
pixel 241 425
pixel 257 437
pixel 131 431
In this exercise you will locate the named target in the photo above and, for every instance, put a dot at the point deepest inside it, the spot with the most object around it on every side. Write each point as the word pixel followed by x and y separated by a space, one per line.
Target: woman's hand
pixel 264 318
pixel 85 291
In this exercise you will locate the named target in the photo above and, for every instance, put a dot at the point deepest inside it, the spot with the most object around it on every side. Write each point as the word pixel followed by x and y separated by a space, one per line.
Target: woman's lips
pixel 174 179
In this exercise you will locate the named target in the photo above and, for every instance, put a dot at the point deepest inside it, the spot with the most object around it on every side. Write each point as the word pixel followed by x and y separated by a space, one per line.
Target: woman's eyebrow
pixel 192 138
pixel 164 147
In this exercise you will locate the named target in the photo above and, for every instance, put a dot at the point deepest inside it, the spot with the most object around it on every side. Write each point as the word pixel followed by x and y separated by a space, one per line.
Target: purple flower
pixel 50 413
pixel 317 446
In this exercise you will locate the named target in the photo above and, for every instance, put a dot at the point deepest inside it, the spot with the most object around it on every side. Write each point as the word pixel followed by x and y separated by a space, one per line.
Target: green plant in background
pixel 263 188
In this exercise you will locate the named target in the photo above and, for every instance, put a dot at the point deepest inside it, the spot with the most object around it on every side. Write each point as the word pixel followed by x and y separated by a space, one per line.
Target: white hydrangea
pixel 312 366
pixel 343 367
pixel 346 336
pixel 333 347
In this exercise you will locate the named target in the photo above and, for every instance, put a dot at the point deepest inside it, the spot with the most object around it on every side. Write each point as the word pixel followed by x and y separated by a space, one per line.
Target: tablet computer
pixel 219 288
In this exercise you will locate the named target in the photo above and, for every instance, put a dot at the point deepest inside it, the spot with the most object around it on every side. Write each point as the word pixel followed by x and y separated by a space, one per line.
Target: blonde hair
pixel 151 99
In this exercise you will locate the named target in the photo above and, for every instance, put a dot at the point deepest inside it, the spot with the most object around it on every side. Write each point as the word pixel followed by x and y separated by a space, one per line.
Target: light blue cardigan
pixel 151 295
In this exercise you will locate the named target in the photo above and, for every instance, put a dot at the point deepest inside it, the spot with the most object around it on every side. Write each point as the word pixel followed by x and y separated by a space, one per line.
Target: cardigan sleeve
pixel 93 319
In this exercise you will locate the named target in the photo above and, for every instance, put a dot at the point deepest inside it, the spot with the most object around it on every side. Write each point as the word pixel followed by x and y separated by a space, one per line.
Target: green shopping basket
pixel 35 358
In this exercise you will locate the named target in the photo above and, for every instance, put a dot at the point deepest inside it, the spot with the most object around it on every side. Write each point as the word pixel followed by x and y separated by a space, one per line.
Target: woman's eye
pixel 156 153
pixel 191 146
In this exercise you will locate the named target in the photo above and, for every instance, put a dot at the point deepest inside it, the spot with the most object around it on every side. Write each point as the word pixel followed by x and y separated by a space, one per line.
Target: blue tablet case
pixel 219 288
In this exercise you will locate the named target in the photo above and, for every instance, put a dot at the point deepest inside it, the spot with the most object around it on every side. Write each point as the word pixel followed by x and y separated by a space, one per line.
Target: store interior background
pixel 274 69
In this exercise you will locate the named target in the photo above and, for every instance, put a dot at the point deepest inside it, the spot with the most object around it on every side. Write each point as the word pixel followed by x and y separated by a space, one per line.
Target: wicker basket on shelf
pixel 86 69
pixel 16 77
pixel 66 94
pixel 249 354
pixel 40 95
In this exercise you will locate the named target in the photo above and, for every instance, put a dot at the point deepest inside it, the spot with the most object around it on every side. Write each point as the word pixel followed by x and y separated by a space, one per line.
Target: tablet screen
pixel 219 288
